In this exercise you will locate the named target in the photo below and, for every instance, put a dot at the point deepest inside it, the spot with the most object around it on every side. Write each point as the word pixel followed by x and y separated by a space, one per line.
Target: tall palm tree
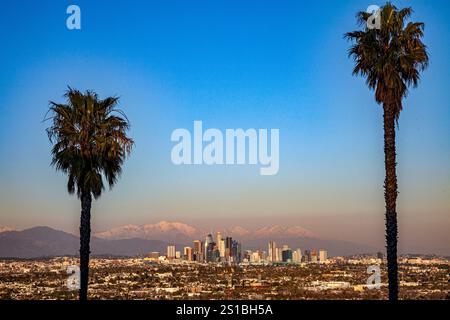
pixel 390 59
pixel 90 145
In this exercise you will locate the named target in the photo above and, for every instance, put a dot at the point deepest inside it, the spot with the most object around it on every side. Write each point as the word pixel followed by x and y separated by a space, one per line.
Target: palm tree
pixel 90 145
pixel 390 59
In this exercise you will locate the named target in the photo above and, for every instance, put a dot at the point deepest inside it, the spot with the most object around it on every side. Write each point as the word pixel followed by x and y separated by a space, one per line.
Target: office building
pixel 272 255
pixel 171 252
pixel 314 256
pixel 323 255
pixel 286 254
pixel 297 256
pixel 188 254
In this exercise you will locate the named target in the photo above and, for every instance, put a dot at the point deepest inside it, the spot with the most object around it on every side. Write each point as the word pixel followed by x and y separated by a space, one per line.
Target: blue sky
pixel 231 64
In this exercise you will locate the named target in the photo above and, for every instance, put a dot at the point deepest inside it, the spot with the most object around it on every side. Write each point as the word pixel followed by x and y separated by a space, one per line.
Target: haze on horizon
pixel 231 65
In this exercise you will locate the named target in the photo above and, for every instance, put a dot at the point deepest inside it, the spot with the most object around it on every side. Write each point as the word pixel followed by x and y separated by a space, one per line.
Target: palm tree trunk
pixel 85 236
pixel 390 197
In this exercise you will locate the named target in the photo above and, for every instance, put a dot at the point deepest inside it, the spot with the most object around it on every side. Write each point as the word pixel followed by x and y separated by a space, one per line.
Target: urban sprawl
pixel 217 268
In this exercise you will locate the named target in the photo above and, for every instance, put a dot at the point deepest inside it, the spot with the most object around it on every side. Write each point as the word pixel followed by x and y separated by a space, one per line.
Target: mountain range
pixel 133 240
pixel 47 242
pixel 180 232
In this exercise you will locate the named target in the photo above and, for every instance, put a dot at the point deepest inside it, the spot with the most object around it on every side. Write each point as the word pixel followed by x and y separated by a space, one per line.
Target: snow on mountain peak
pixel 6 229
pixel 172 230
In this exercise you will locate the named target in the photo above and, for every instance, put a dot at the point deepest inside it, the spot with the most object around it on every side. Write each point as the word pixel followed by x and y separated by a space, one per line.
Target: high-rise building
pixel 286 254
pixel 307 256
pixel 171 252
pixel 197 246
pixel 297 256
pixel 210 253
pixel 255 257
pixel 278 255
pixel 208 240
pixel 228 247
pixel 235 252
pixel 218 237
pixel 198 251
pixel 272 255
pixel 264 255
pixel 314 257
pixel 209 248
pixel 247 255
pixel 188 253
pixel 177 254
pixel 221 245
pixel 323 255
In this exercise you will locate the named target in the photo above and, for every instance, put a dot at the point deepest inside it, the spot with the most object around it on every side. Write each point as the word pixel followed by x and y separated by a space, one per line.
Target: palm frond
pixel 90 141
pixel 391 58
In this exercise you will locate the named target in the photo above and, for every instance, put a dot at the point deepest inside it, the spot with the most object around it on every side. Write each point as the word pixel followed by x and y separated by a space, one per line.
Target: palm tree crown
pixel 390 58
pixel 90 141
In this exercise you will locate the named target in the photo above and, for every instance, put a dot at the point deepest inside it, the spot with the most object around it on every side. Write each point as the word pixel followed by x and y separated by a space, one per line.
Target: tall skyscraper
pixel 228 247
pixel 208 240
pixel 255 257
pixel 278 255
pixel 209 248
pixel 272 256
pixel 171 252
pixel 286 254
pixel 222 248
pixel 210 252
pixel 239 253
pixel 323 255
pixel 220 245
pixel 297 256
pixel 188 253
pixel 197 246
pixel 314 256
pixel 198 251
pixel 218 237
pixel 307 256
pixel 235 252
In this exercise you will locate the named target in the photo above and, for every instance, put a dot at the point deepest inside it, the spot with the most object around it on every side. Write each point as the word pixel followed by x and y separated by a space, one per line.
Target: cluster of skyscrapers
pixel 211 250
pixel 227 250
pixel 285 254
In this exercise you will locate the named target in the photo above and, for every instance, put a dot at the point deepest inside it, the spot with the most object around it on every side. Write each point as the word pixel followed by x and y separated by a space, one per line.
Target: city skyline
pixel 270 68
pixel 275 254
pixel 182 236
pixel 166 230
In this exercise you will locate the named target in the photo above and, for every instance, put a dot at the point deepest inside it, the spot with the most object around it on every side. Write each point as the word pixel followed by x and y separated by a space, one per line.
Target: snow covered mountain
pixel 5 229
pixel 178 231
pixel 169 231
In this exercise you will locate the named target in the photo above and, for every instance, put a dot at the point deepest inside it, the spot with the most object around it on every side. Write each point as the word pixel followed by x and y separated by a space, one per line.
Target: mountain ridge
pixel 179 230
pixel 37 242
pixel 44 241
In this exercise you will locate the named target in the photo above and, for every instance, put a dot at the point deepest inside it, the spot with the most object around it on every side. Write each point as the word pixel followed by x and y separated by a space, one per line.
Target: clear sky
pixel 231 64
